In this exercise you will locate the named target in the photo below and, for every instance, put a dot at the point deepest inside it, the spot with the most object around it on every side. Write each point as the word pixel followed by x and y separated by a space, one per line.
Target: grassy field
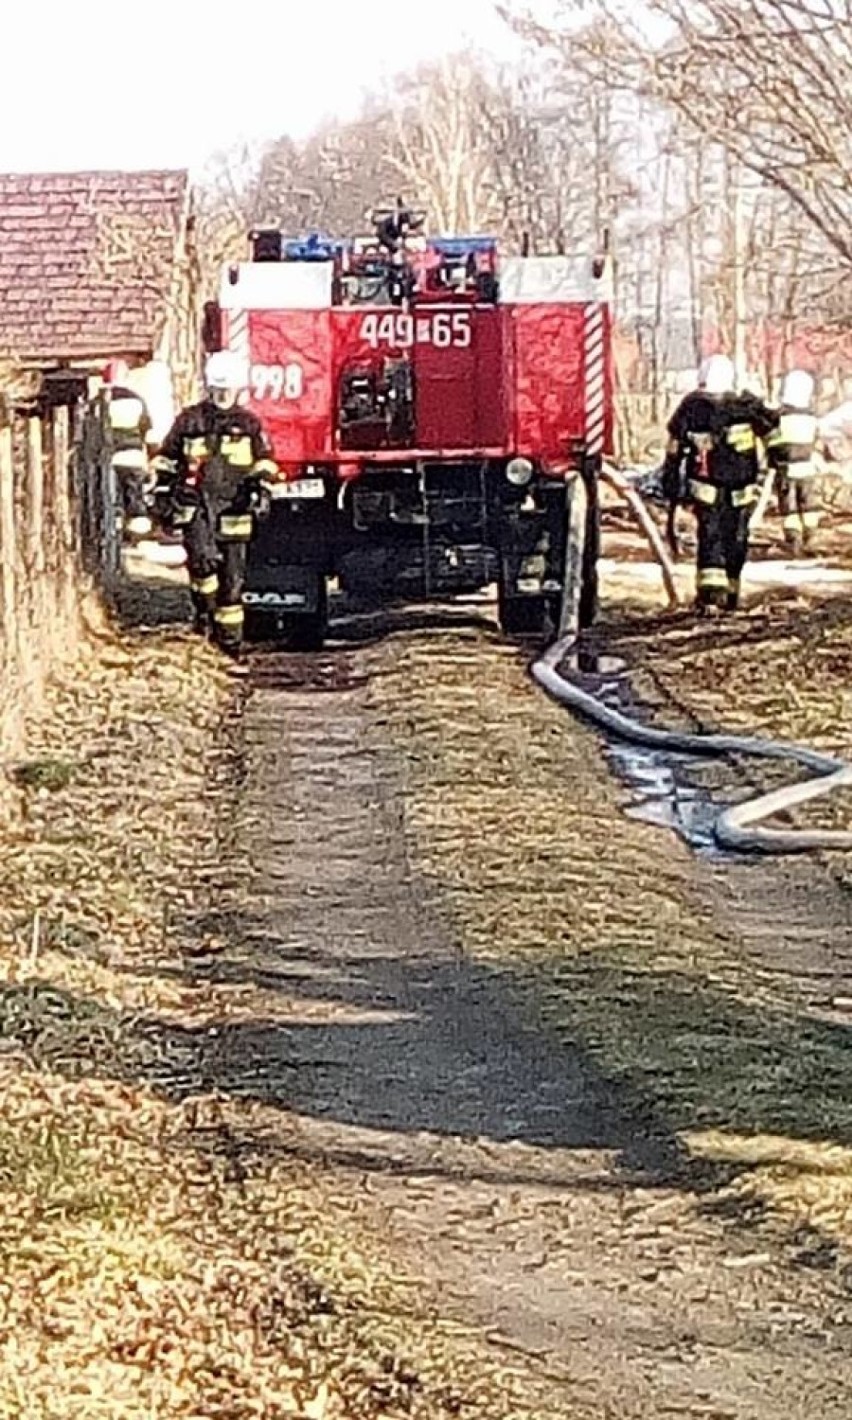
pixel 614 936
pixel 154 1264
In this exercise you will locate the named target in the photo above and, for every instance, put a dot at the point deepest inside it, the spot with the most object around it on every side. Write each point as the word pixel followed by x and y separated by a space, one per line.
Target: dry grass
pixel 807 1184
pixel 148 1271
pixel 163 1254
pixel 786 669
pixel 609 927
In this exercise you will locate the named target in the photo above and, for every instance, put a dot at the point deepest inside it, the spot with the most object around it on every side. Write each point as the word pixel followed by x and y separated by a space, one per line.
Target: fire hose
pixel 739 828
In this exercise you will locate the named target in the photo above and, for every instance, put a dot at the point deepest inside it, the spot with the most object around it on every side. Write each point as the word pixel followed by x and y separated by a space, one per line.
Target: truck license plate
pixel 300 488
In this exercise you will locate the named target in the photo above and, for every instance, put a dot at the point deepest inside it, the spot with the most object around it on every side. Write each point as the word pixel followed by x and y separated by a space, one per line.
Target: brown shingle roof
pixel 86 261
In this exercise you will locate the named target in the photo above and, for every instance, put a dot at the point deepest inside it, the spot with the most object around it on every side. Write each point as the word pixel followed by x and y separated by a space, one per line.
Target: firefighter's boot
pixel 203 612
pixel 711 592
pixel 809 529
pixel 202 623
pixel 204 588
pixel 228 629
pixel 137 525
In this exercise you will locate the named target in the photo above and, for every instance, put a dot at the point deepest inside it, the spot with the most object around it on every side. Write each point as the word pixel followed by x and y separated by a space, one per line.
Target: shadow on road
pixel 443 1048
pixel 149 596
pixel 342 1001
pixel 442 1053
pixel 775 615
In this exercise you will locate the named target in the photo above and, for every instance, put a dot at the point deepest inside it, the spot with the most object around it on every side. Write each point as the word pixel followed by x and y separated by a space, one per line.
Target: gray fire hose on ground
pixel 739 828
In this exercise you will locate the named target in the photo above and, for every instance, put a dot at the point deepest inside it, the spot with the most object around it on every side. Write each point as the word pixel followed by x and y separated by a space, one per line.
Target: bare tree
pixel 228 206
pixel 479 147
pixel 769 80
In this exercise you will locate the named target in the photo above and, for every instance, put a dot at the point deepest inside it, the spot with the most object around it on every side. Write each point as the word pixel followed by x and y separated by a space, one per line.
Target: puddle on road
pixel 668 795
pixel 667 788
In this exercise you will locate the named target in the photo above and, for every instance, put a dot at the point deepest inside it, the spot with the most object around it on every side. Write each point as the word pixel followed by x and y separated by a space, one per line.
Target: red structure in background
pixel 823 351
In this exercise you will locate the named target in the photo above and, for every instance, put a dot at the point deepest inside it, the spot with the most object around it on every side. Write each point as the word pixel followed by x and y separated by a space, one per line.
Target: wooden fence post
pixel 66 542
pixel 63 491
pixel 10 729
pixel 41 539
pixel 8 547
pixel 34 526
pixel 85 470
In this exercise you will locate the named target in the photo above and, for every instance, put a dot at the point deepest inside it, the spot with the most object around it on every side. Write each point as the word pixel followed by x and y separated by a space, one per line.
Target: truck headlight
pixel 519 472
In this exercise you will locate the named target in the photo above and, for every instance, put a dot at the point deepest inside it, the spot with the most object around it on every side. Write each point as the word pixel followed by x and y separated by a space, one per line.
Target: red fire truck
pixel 431 403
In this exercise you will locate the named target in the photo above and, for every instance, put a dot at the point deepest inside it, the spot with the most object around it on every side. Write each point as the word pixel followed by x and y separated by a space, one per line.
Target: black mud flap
pixel 283 590
pixel 592 545
pixel 526 615
pixel 531 566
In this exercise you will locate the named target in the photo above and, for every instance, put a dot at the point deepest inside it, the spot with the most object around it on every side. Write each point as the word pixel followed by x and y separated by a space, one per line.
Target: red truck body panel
pixel 547 378
pixel 517 377
pixel 300 426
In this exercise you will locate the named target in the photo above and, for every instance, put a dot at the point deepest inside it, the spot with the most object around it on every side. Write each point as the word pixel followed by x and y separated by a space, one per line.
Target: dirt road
pixel 534 1043
pixel 360 1056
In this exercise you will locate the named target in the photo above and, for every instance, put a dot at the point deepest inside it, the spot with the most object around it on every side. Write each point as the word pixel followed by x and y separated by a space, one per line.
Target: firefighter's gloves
pixel 260 500
pixel 674 480
pixel 178 504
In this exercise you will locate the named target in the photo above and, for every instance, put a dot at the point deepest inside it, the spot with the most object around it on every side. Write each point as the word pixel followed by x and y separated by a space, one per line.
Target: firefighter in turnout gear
pixel 130 439
pixel 713 463
pixel 211 465
pixel 792 455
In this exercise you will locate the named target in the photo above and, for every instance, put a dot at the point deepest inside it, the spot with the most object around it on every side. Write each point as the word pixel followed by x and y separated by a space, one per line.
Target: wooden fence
pixel 56 534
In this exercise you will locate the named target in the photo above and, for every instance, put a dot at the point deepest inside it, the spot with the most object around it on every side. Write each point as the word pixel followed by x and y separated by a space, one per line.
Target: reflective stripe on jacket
pixel 204 433
pixel 793 444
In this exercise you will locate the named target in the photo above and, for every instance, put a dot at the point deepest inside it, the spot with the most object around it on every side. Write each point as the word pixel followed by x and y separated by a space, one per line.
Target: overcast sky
pixel 165 82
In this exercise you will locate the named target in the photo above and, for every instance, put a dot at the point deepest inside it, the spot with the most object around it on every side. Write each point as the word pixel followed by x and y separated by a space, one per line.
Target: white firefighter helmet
pixel 717 375
pixel 798 389
pixel 225 370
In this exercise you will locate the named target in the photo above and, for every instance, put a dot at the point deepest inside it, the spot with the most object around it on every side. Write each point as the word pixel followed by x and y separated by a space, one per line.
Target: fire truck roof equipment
pixel 277 286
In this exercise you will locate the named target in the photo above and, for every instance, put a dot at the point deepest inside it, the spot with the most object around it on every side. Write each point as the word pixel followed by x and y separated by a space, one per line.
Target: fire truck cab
pixel 431 403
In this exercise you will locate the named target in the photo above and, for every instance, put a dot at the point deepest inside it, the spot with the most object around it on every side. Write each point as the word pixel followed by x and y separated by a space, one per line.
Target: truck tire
pixel 521 616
